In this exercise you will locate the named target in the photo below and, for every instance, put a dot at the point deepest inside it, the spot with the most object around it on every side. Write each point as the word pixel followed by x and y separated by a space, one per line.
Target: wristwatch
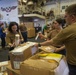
pixel 39 45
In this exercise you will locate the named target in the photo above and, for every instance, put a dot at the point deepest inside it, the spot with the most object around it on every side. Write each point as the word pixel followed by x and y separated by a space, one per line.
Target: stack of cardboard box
pixel 34 65
pixel 30 29
pixel 31 32
pixel 37 66
pixel 22 53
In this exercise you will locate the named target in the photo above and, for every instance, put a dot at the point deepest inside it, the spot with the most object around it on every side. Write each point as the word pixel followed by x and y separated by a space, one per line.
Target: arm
pixel 21 37
pixel 42 36
pixel 49 42
pixel 46 43
pixel 11 45
pixel 8 41
pixel 47 36
pixel 59 49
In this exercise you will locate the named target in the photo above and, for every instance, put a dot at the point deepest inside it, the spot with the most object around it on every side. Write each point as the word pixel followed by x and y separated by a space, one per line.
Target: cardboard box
pixel 47 48
pixel 29 24
pixel 3 65
pixel 28 70
pixel 36 66
pixel 3 73
pixel 21 53
pixel 11 71
pixel 30 32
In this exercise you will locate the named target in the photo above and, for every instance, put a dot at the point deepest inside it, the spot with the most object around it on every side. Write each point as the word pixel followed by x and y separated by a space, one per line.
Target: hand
pixel 36 45
pixel 41 36
pixel 12 45
pixel 21 40
pixel 57 49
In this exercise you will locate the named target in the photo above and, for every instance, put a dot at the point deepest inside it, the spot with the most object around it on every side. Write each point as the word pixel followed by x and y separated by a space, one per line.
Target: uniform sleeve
pixel 59 38
pixel 8 39
pixel 49 35
pixel 21 37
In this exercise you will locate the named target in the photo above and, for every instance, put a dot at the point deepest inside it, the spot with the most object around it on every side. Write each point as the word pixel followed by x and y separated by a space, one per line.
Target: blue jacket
pixel 1 33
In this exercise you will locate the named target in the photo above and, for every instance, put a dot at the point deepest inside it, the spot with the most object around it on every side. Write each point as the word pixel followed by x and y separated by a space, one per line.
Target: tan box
pixel 11 71
pixel 30 32
pixel 29 24
pixel 36 66
pixel 47 48
pixel 3 65
pixel 21 53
